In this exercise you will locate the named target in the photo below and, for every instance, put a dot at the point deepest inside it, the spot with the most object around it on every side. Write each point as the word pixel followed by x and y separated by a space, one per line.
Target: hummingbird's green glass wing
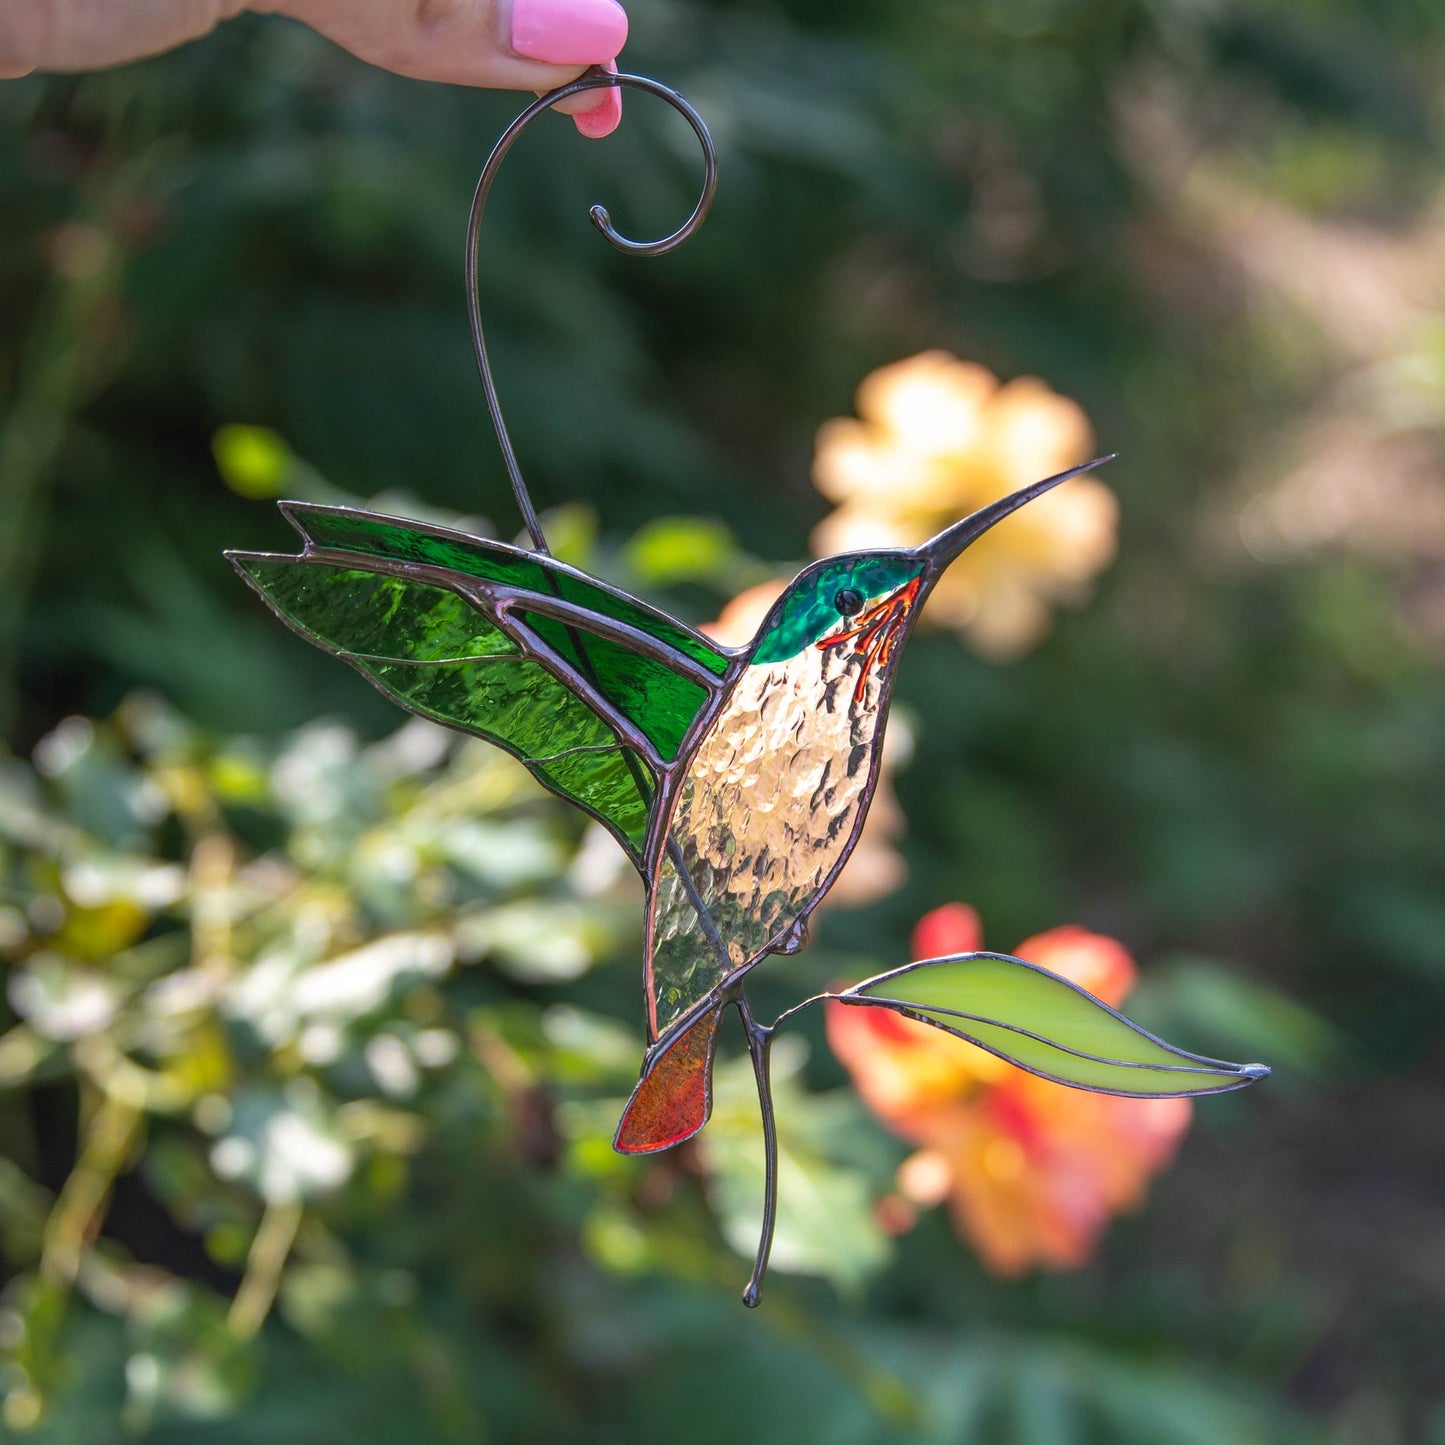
pixel 591 689
pixel 1045 1024
pixel 370 534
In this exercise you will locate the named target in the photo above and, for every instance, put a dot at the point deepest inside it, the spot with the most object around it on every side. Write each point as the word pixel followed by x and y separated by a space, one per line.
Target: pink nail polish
pixel 606 115
pixel 568 32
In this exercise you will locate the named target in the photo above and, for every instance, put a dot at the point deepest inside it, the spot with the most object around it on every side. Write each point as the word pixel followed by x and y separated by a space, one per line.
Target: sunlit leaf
pixel 253 460
pixel 670 550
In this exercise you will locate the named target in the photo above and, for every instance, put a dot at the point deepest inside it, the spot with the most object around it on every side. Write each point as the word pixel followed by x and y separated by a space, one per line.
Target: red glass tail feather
pixel 673 1098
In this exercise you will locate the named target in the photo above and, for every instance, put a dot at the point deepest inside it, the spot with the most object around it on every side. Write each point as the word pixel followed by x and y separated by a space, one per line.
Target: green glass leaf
pixel 661 703
pixel 519 702
pixel 372 614
pixel 340 529
pixel 611 783
pixel 435 654
pixel 1047 1025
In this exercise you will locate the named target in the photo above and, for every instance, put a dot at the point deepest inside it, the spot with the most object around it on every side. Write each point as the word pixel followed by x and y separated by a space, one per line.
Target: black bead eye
pixel 848 601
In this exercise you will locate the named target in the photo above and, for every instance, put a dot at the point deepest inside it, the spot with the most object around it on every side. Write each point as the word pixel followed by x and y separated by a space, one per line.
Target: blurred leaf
pixel 681 549
pixel 286 1149
pixel 1215 1004
pixel 825 1223
pixel 24 1206
pixel 184 1362
pixel 535 942
pixel 62 1001
pixel 572 534
pixel 1403 920
pixel 253 460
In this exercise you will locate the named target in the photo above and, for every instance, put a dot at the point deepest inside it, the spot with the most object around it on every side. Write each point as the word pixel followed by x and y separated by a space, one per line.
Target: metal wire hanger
pixel 594 79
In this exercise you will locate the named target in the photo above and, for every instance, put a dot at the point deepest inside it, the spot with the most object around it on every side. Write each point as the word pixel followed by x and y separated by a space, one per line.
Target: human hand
pixel 500 44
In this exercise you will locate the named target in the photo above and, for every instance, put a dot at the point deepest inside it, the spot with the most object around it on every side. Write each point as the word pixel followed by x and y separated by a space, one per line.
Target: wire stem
pixel 593 79
pixel 760 1046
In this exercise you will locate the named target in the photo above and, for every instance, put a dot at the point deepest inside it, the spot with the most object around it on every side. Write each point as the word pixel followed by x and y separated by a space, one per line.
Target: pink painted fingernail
pixel 606 115
pixel 568 32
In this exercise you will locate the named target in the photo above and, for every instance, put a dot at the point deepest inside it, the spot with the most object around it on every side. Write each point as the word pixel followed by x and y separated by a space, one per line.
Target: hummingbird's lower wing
pixel 591 689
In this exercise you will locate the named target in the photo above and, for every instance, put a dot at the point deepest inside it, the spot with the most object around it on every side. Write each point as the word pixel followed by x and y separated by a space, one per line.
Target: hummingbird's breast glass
pixel 770 805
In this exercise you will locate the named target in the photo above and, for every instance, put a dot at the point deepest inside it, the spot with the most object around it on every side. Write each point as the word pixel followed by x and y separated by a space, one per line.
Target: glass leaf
pixel 431 651
pixel 366 534
pixel 1047 1025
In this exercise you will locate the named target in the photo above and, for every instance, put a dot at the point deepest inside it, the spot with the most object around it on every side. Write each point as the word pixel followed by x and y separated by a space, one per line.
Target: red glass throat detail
pixel 874 632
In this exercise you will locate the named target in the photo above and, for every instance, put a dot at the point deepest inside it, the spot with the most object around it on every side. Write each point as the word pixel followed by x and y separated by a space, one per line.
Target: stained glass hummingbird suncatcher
pixel 736 779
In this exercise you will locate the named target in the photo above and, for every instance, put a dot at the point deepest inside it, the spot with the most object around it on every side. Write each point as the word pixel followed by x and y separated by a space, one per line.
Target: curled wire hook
pixel 594 79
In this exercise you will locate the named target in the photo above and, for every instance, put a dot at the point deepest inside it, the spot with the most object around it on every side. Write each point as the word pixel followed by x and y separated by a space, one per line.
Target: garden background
pixel 345 1011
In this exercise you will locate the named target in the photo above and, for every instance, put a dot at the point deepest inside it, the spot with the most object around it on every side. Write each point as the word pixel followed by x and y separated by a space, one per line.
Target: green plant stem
pixel 76 1217
pixel 269 1251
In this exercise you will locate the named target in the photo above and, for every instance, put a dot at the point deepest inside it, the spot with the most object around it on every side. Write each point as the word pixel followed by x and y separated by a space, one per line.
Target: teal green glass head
pixel 823 597
pixel 826 595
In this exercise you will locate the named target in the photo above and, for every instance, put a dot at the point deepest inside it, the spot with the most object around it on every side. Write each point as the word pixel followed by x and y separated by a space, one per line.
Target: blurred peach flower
pixel 876 867
pixel 1031 1171
pixel 935 439
pixel 739 621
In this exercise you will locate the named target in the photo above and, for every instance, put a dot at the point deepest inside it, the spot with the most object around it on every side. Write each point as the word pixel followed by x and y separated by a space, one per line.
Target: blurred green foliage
pixel 346 1013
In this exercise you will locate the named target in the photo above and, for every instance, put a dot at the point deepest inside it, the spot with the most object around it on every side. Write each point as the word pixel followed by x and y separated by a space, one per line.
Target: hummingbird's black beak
pixel 946 546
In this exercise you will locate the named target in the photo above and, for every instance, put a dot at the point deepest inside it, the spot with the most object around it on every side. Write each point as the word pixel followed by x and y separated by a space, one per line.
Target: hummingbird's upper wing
pixel 590 688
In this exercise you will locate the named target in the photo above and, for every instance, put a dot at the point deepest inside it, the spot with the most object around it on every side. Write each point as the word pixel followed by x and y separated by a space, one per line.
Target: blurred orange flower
pixel 739 621
pixel 1032 1171
pixel 876 868
pixel 937 438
